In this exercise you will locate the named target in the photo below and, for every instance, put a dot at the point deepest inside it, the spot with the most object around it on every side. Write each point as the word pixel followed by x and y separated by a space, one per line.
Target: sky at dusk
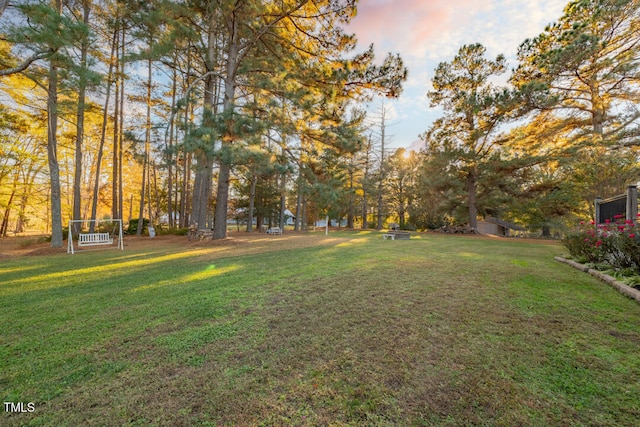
pixel 427 32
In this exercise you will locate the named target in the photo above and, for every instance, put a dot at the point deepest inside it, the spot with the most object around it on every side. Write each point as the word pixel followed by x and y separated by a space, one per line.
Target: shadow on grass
pixel 432 331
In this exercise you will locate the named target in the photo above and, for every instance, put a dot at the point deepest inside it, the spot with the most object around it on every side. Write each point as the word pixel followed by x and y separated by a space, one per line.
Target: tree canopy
pixel 198 112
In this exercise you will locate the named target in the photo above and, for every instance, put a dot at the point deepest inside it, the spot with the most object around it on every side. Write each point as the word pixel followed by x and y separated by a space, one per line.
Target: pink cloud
pixel 410 24
pixel 426 32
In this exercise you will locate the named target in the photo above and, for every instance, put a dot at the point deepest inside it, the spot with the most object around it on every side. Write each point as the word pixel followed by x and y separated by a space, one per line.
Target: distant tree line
pixel 571 110
pixel 201 111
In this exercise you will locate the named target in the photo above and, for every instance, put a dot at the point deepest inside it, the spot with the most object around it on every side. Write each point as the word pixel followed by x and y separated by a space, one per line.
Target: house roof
pixel 504 224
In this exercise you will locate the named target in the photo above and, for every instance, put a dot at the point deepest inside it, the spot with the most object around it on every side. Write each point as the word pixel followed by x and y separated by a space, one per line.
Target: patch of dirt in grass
pixel 628 336
pixel 36 246
pixel 241 242
pixel 25 245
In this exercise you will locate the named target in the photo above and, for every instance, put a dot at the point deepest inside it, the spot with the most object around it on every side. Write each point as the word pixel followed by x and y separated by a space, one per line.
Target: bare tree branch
pixel 26 63
pixel 3 6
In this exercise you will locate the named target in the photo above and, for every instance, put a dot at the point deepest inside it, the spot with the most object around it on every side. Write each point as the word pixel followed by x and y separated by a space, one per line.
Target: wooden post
pixel 597 210
pixel 632 202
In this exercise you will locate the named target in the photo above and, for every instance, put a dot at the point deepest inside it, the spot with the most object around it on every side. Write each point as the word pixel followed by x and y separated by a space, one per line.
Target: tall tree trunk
pixel 117 60
pixel 149 191
pixel 222 195
pixel 142 198
pixel 54 169
pixel 471 191
pixel 103 135
pixel 351 208
pixel 300 189
pixel 152 217
pixel 222 202
pixel 365 211
pixel 202 190
pixel 252 201
pixel 30 177
pixel 202 186
pixel 121 121
pixel 185 218
pixel 401 208
pixel 169 153
pixel 299 197
pixel 52 149
pixel 283 198
pixel 365 194
pixel 304 214
pixel 21 212
pixel 156 193
pixel 147 152
pixel 204 160
pixel 259 221
pixel 186 190
pixel 82 94
pixel 5 218
pixel 382 176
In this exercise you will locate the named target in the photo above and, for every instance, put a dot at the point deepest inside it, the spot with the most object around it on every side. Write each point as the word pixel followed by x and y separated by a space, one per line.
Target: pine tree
pixel 293 51
pixel 579 78
pixel 474 109
pixel 587 63
pixel 48 35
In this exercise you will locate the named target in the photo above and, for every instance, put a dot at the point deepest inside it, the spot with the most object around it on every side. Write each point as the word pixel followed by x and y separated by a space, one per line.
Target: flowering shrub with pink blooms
pixel 614 243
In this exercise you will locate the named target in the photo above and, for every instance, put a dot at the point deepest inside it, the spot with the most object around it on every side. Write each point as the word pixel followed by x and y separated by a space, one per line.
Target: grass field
pixel 311 330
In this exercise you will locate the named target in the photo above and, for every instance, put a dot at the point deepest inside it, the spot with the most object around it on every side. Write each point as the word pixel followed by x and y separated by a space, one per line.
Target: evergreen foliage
pixel 190 112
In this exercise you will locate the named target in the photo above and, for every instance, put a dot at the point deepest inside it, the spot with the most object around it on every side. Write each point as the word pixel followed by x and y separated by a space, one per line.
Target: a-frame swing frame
pixel 95 238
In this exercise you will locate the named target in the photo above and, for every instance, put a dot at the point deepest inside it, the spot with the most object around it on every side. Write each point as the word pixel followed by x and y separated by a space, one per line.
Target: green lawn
pixel 347 329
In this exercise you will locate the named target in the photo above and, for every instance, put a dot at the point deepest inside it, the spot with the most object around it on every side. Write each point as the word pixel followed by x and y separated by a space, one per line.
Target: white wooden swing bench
pixel 274 231
pixel 93 239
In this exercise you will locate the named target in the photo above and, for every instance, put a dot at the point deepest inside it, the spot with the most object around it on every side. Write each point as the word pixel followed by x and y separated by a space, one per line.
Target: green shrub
pixel 174 231
pixel 132 228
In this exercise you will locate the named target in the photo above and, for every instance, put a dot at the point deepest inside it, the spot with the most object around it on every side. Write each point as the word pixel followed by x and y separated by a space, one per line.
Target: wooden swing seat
pixel 92 239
